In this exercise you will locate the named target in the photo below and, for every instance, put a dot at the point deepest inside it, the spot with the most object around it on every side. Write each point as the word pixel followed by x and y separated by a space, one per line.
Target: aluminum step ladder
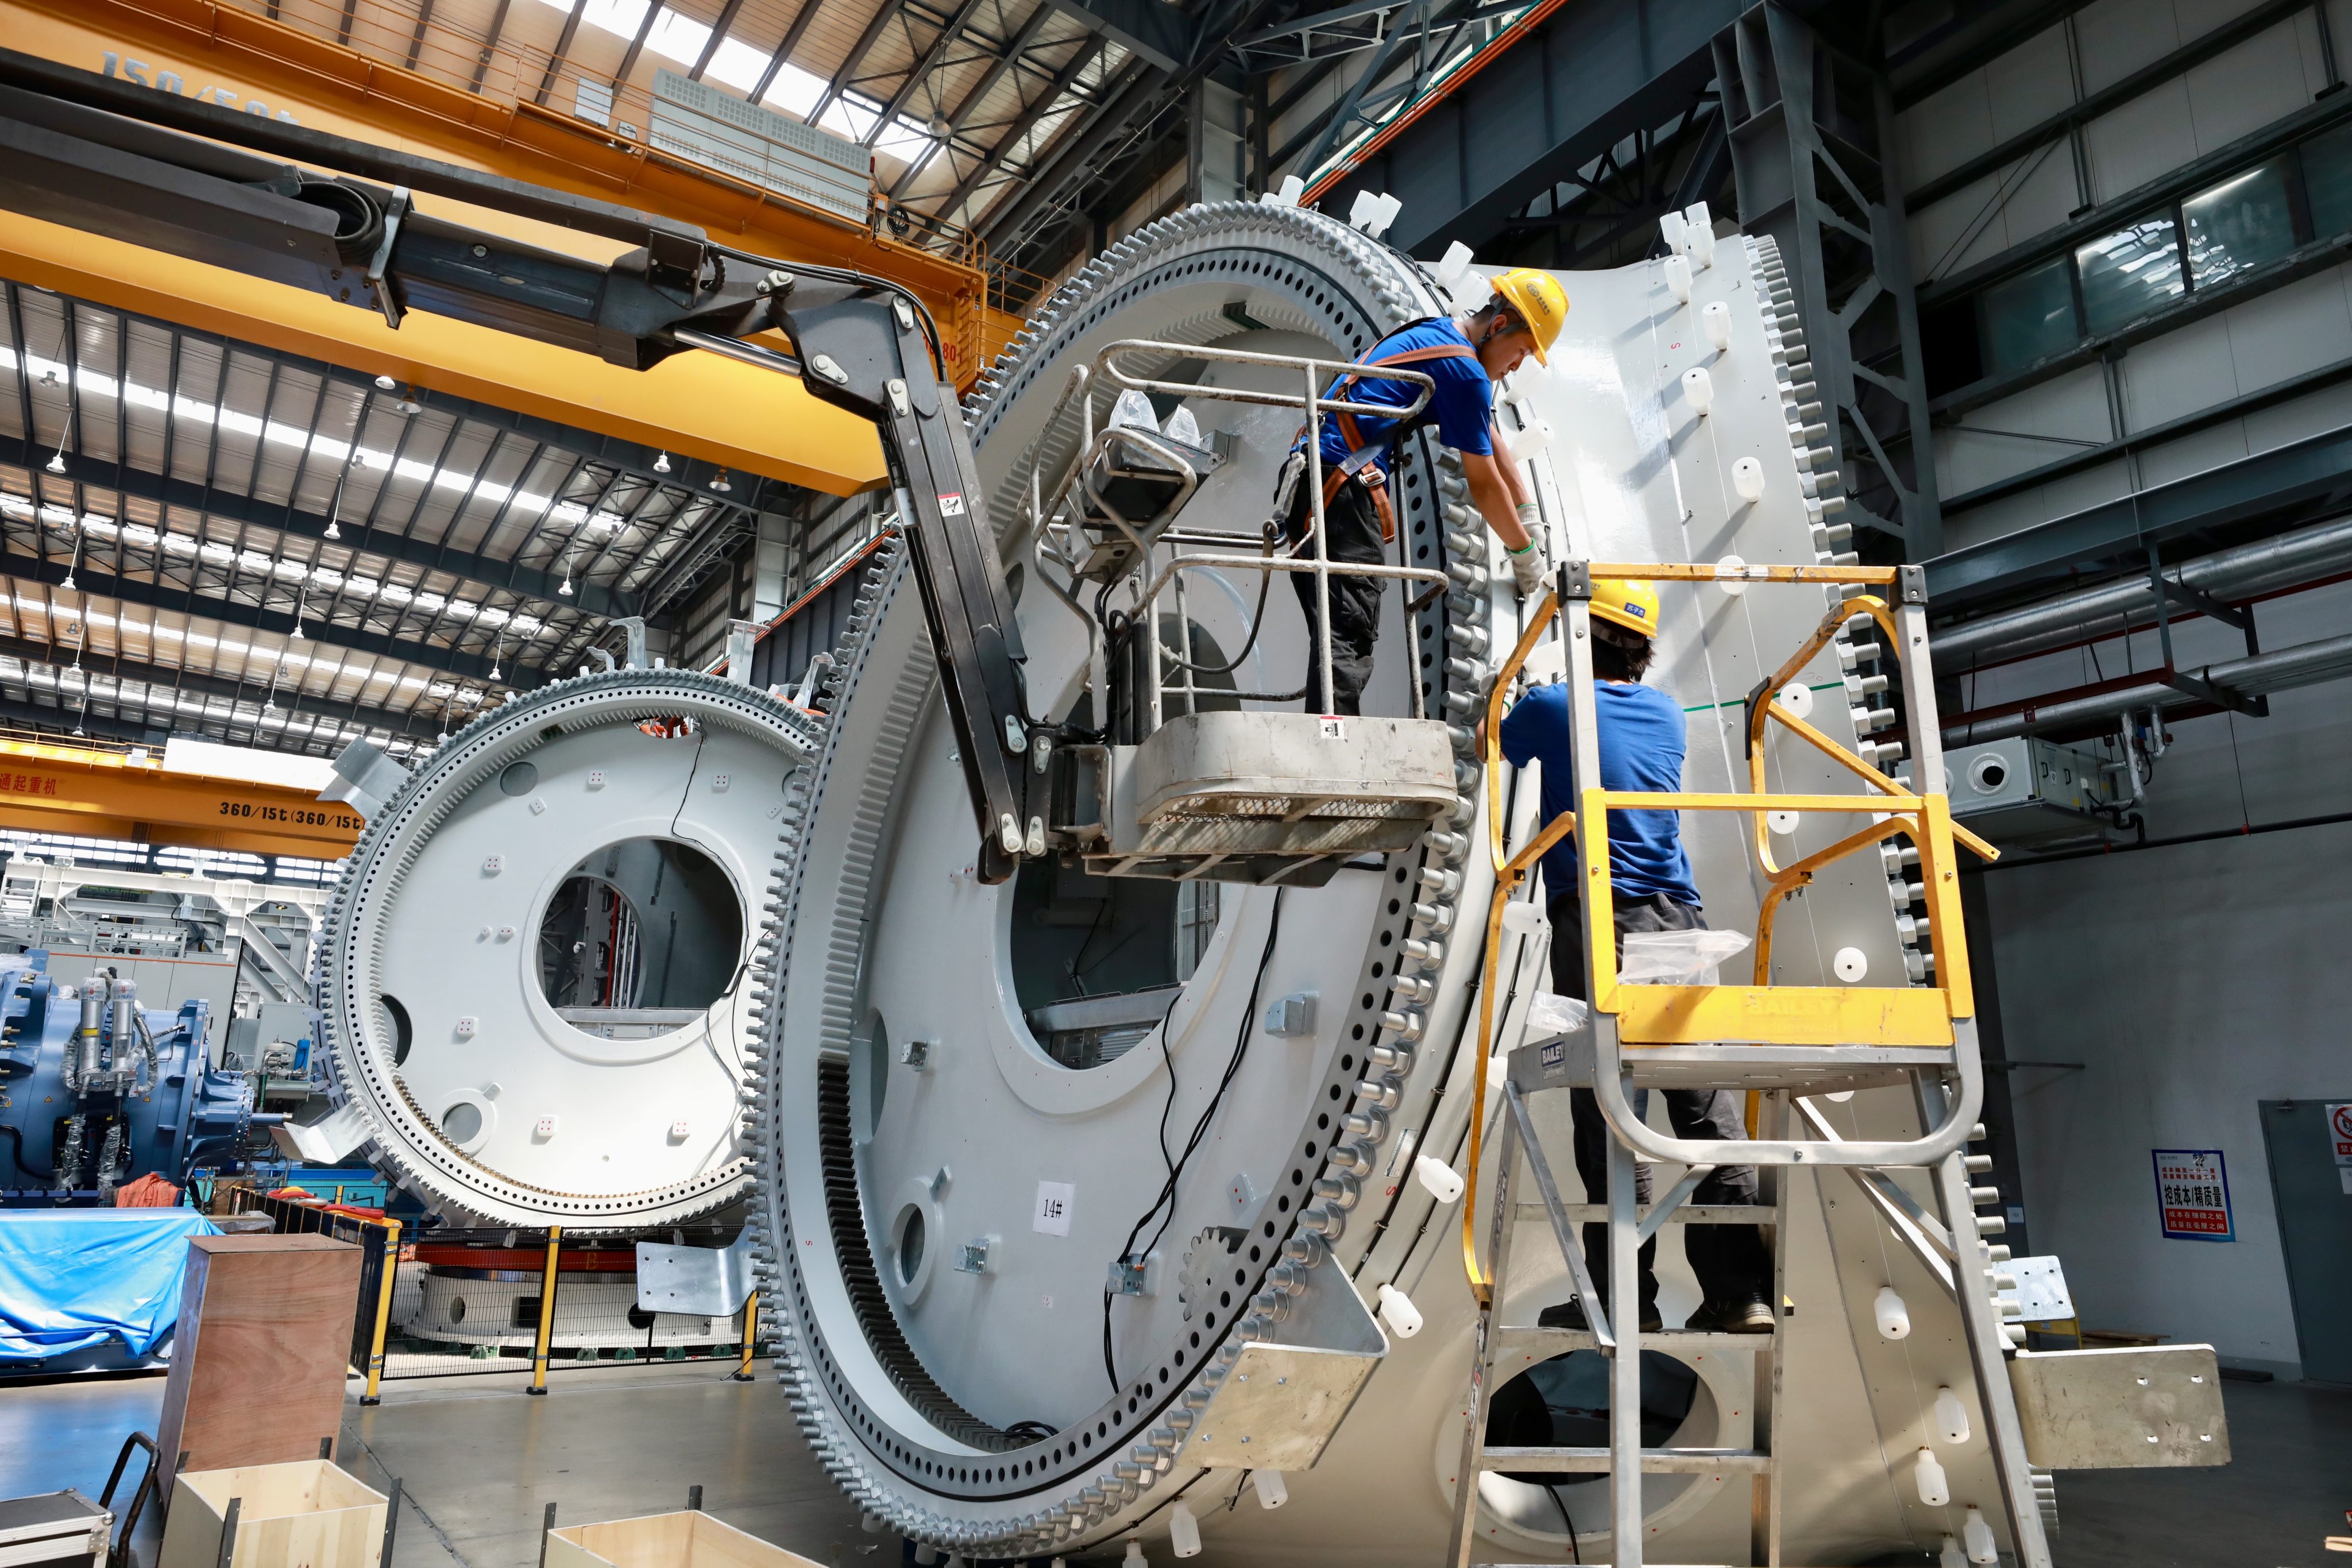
pixel 1783 1045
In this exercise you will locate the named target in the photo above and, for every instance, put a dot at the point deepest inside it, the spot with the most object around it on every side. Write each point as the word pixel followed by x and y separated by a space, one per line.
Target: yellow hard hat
pixel 1625 603
pixel 1541 301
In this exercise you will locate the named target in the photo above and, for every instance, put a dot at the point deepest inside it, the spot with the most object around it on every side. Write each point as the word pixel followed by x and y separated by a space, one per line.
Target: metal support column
pixel 1824 184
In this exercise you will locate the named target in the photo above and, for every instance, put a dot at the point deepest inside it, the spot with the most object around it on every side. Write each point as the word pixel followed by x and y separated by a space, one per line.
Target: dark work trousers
pixel 1354 535
pixel 1730 1260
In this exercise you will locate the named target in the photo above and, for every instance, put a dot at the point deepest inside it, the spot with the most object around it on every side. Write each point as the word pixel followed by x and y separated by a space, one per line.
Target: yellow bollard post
pixel 546 1335
pixel 382 1313
pixel 743 1372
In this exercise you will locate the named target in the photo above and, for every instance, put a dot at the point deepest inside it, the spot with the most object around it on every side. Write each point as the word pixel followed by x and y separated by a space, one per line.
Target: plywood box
pixel 263 1346
pixel 662 1541
pixel 304 1515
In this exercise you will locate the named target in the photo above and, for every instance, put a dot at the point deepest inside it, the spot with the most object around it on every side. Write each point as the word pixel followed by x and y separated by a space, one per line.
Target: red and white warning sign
pixel 2339 1131
pixel 951 503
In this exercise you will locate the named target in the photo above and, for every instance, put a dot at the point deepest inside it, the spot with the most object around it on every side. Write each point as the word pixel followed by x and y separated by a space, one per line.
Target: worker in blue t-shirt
pixel 1642 743
pixel 1464 355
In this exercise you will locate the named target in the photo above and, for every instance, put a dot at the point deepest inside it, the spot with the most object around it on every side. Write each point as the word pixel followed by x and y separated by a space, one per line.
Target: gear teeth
pixel 1090 1505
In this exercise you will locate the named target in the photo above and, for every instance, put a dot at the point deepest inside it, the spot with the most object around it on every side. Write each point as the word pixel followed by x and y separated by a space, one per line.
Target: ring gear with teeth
pixel 400 1137
pixel 1352 290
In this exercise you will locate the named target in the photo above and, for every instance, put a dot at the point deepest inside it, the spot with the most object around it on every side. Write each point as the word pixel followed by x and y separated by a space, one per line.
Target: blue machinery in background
pixel 96 1089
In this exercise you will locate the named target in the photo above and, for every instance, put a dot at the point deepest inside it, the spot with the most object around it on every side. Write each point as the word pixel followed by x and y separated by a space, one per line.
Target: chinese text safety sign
pixel 2192 1194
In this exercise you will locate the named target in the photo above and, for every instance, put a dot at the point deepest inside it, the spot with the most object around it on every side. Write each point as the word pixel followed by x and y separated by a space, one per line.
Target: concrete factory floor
pixel 480 1461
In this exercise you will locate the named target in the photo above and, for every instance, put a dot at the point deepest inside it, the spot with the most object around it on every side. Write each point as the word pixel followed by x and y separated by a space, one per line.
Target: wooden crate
pixel 262 1349
pixel 303 1515
pixel 663 1541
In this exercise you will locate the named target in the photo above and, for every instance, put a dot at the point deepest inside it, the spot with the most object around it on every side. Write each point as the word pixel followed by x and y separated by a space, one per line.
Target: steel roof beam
pixel 1589 75
pixel 359 536
pixel 92 583
pixel 162 679
pixel 1017 46
pixel 1062 81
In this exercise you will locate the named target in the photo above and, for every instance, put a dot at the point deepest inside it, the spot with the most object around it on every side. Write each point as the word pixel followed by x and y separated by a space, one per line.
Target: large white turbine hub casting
pixel 962 1094
pixel 534 979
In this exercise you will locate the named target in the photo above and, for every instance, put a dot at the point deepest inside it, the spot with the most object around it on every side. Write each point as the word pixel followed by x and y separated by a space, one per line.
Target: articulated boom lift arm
pixel 150 169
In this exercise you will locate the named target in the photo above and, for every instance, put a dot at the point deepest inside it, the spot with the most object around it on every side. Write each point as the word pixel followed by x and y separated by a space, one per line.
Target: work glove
pixel 1531 566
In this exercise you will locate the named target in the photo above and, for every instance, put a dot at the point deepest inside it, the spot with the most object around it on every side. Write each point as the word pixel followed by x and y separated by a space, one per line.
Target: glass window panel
pixel 2130 272
pixel 2328 181
pixel 2027 318
pixel 2243 222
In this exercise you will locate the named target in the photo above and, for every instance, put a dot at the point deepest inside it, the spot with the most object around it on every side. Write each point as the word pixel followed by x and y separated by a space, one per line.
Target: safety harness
pixel 1356 463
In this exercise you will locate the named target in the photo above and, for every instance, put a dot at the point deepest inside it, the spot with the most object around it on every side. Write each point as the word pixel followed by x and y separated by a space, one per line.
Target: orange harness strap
pixel 1357 462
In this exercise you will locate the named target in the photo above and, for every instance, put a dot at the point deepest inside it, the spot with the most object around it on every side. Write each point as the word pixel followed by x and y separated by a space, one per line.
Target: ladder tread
pixel 1554 1340
pixel 1668 1461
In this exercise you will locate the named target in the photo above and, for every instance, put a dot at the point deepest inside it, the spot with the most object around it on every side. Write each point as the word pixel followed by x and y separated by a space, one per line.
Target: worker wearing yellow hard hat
pixel 1464 354
pixel 1642 737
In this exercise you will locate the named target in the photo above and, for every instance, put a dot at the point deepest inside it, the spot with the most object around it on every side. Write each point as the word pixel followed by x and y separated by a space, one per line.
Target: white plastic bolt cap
pixel 1715 317
pixel 1797 698
pixel 1529 440
pixel 1453 263
pixel 1399 1314
pixel 1731 576
pixel 1951 1417
pixel 1134 1558
pixel 1783 822
pixel 1671 226
pixel 1951 1556
pixel 1748 478
pixel 1183 1531
pixel 1851 964
pixel 1679 278
pixel 1698 390
pixel 1893 1317
pixel 1976 1535
pixel 1271 1491
pixel 1522 918
pixel 1442 1181
pixel 1935 1487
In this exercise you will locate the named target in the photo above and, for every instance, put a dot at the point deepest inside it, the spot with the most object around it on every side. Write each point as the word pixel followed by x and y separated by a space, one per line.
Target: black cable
pixel 1166 1198
pixel 1110 1369
pixel 1257 621
pixel 17 1154
pixel 1576 1552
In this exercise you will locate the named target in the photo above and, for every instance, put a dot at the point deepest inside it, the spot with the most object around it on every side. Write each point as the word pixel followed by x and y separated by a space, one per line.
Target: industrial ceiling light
pixel 58 462
pixel 385 383
pixel 719 482
pixel 661 462
pixel 49 376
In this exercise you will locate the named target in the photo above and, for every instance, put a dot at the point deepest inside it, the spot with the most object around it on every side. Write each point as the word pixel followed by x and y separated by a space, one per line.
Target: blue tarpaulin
pixel 74 1278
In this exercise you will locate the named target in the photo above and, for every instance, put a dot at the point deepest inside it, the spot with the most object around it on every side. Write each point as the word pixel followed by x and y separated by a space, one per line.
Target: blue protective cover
pixel 73 1279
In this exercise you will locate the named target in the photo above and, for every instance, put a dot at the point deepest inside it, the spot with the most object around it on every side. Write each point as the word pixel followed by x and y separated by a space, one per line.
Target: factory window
pixel 2327 161
pixel 2244 221
pixel 640 939
pixel 2027 318
pixel 2130 273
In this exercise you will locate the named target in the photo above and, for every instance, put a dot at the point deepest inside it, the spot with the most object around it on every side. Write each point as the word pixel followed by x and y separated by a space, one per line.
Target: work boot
pixel 1747 1313
pixel 1570 1315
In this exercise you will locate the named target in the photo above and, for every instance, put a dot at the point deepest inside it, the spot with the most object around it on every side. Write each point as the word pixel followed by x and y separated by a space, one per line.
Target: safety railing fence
pixel 1083 528
pixel 1931 1016
pixel 451 1302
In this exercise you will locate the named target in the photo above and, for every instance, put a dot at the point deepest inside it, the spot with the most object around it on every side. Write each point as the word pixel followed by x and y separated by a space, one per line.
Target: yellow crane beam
pixel 132 794
pixel 726 413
